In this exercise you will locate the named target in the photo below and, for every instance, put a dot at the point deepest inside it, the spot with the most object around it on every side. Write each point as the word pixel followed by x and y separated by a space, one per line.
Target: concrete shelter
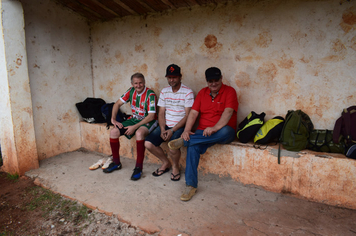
pixel 278 55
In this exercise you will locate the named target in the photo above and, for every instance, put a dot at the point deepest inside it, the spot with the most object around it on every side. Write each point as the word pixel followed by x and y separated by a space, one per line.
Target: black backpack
pixel 90 110
pixel 248 128
pixel 270 131
pixel 106 110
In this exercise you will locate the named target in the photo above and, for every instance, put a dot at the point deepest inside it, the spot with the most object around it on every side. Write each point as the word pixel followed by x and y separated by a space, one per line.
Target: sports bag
pixel 322 141
pixel 90 110
pixel 296 130
pixel 351 153
pixel 270 131
pixel 106 110
pixel 248 128
pixel 346 126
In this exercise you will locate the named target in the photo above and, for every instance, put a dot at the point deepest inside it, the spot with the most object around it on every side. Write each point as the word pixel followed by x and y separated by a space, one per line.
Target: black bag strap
pixel 347 119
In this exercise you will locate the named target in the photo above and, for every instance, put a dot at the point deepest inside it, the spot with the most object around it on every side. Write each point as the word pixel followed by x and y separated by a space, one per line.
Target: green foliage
pixel 49 201
pixel 15 177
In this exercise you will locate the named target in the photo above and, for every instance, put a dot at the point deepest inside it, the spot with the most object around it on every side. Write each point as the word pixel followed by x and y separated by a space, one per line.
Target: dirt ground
pixel 27 209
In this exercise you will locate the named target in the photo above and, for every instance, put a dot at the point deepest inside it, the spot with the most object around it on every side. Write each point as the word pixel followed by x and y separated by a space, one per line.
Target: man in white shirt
pixel 175 102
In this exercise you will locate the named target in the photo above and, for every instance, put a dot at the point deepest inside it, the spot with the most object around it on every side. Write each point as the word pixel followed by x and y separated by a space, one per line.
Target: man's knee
pixel 115 133
pixel 174 152
pixel 141 133
pixel 148 145
pixel 227 133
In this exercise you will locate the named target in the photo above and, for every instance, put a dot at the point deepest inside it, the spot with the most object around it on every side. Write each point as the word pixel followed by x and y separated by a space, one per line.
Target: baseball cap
pixel 212 73
pixel 173 70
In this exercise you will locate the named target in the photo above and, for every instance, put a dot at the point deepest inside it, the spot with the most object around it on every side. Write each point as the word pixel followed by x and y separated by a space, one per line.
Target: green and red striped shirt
pixel 141 104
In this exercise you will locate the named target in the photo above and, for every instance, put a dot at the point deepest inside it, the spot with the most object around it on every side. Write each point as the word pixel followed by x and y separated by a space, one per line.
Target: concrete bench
pixel 321 177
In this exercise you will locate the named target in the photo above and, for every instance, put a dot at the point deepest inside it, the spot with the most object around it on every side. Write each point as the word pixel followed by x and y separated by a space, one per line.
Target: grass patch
pixel 48 202
pixel 14 177
pixel 5 233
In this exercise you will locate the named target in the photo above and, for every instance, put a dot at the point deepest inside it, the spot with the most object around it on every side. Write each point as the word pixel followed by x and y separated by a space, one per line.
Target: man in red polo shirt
pixel 217 105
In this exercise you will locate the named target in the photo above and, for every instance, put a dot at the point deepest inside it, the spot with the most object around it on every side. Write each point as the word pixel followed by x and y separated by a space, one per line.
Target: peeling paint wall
pixel 278 55
pixel 59 64
pixel 320 177
pixel 16 124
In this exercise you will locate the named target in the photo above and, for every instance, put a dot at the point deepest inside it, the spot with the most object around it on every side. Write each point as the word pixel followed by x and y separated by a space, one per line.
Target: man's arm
pixel 131 129
pixel 168 133
pixel 224 119
pixel 115 110
pixel 193 114
pixel 162 118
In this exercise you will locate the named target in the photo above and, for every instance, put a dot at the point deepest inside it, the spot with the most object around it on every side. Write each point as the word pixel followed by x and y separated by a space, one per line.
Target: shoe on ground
pixel 97 164
pixel 176 144
pixel 189 192
pixel 136 175
pixel 112 167
pixel 107 163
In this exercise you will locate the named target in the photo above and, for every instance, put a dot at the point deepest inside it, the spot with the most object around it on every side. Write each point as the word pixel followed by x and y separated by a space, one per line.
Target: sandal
pixel 159 172
pixel 173 177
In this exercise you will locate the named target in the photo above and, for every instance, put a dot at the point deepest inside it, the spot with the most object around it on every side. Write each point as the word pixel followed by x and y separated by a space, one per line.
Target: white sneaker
pixel 97 164
pixel 107 163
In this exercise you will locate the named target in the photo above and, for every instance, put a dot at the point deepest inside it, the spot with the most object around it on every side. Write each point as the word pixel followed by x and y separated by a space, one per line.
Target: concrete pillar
pixel 17 134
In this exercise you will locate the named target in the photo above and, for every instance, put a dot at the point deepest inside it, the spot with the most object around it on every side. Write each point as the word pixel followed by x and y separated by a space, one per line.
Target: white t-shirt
pixel 175 103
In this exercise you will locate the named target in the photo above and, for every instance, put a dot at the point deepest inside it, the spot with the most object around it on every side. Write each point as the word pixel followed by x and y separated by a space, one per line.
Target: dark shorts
pixel 155 136
pixel 150 126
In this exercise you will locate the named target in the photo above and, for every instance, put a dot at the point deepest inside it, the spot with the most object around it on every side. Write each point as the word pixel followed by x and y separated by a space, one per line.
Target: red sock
pixel 140 145
pixel 115 147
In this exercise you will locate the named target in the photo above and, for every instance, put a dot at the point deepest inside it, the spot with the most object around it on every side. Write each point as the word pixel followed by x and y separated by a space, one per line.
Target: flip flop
pixel 159 172
pixel 173 177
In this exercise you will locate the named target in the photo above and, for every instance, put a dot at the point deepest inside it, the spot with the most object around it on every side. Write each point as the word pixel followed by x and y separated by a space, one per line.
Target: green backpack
pixel 296 131
pixel 322 141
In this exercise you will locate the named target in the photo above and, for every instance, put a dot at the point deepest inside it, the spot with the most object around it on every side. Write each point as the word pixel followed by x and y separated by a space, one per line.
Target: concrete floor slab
pixel 220 207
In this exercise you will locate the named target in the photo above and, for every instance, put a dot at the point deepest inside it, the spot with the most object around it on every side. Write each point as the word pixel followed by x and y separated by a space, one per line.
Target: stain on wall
pixel 58 52
pixel 277 56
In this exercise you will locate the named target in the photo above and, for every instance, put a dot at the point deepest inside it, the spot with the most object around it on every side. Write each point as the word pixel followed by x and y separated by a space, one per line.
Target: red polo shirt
pixel 211 110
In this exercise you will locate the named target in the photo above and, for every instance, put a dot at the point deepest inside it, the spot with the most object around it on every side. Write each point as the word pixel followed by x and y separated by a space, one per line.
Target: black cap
pixel 173 70
pixel 212 73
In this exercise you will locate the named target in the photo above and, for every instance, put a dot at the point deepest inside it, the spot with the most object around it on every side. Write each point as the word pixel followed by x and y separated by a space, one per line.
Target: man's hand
pixel 130 130
pixel 209 131
pixel 186 135
pixel 167 134
pixel 116 124
pixel 164 135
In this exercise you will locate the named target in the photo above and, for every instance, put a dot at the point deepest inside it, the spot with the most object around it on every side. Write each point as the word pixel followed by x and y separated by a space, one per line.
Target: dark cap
pixel 212 73
pixel 173 70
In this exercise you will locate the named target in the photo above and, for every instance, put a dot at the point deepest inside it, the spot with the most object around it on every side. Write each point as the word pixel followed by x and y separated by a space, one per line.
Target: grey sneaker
pixel 176 144
pixel 107 163
pixel 189 192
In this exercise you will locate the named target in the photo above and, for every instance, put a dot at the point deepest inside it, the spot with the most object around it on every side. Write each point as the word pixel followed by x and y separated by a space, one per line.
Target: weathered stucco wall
pixel 320 177
pixel 59 64
pixel 278 55
pixel 16 118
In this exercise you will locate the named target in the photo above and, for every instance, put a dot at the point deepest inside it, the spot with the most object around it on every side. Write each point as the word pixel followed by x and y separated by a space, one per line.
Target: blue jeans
pixel 155 136
pixel 198 144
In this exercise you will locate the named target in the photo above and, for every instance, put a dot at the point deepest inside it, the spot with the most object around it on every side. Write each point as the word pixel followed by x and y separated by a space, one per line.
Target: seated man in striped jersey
pixel 175 102
pixel 141 123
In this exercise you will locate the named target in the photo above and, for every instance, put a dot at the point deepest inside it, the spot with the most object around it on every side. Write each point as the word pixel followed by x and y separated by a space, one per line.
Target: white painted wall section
pixel 18 144
pixel 59 62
